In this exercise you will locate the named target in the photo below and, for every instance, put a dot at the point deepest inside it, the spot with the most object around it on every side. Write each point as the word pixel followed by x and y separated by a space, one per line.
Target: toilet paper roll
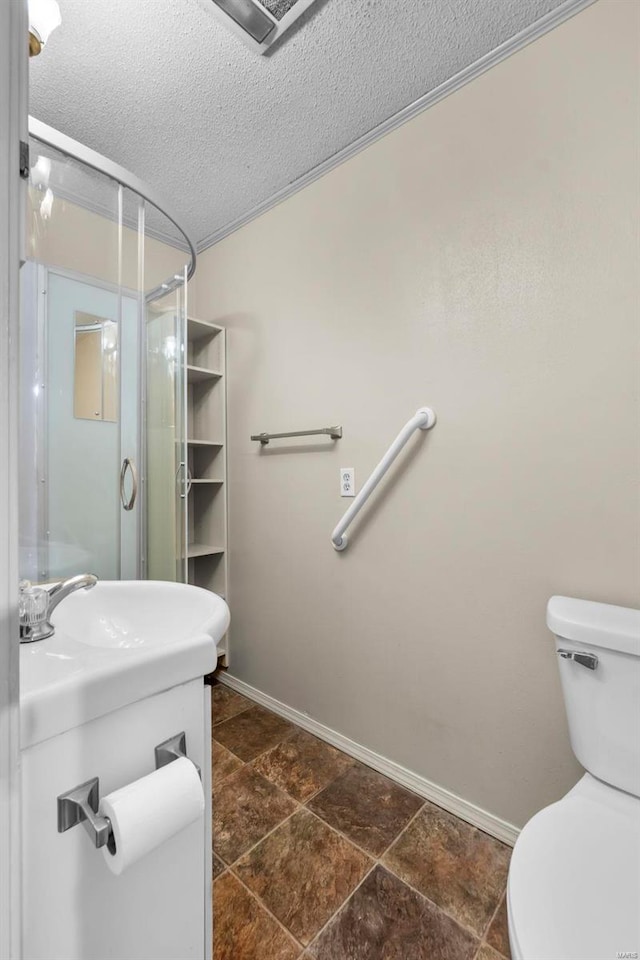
pixel 149 811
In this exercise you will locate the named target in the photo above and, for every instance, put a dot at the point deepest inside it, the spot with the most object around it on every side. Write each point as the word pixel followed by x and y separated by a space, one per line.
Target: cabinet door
pixel 75 908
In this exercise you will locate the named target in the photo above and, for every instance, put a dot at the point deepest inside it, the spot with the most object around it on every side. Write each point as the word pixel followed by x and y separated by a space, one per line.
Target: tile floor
pixel 317 857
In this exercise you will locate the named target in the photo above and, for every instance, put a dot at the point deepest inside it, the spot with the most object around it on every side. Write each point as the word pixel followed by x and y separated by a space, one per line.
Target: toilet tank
pixel 603 704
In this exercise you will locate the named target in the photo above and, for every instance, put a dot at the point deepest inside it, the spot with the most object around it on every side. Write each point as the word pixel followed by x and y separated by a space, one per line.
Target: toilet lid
pixel 574 878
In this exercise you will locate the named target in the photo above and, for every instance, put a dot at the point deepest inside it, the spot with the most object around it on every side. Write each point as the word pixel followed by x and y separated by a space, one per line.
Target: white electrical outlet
pixel 347 482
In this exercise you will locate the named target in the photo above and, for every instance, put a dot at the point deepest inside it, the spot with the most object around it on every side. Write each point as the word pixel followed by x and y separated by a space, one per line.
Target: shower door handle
pixel 128 464
pixel 185 484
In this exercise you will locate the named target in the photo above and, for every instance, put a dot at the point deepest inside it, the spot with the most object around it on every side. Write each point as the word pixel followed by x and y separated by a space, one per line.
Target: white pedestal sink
pixel 122 674
pixel 115 644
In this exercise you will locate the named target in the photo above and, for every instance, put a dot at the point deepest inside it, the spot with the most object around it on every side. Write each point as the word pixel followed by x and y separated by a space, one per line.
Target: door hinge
pixel 24 160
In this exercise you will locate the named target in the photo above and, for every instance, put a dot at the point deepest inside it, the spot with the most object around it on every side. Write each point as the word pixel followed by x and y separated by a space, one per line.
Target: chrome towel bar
pixel 334 432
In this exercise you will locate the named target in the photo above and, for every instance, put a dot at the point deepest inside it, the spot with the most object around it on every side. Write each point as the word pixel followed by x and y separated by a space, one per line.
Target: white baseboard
pixel 480 818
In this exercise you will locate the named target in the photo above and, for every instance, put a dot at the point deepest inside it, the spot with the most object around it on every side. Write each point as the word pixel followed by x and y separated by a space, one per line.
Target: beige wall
pixel 78 239
pixel 481 260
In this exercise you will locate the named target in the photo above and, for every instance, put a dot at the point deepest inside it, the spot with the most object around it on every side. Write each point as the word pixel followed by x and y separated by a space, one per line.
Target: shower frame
pixel 96 161
pixel 67 146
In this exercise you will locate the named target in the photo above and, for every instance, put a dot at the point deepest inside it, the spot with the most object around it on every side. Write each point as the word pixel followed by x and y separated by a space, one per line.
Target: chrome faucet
pixel 37 605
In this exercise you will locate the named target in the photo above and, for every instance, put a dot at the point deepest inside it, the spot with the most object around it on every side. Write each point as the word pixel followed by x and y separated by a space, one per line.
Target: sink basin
pixel 115 644
pixel 136 614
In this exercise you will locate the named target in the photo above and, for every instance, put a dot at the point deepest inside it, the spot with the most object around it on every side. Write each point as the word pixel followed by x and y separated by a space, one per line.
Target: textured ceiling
pixel 161 87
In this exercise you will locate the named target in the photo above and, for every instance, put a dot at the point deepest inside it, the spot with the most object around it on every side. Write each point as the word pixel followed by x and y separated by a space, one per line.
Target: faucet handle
pixel 33 605
pixel 37 605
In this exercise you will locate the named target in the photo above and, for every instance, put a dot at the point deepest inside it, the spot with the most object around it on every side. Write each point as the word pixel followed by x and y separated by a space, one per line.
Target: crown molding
pixel 520 40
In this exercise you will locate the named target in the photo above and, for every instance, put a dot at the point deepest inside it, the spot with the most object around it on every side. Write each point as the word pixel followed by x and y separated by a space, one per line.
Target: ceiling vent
pixel 259 24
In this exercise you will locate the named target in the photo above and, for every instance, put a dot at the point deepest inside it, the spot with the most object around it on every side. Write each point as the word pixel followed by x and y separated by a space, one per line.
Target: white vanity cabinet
pixel 75 908
pixel 96 700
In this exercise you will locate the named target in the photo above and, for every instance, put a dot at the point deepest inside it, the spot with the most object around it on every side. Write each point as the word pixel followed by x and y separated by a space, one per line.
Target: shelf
pixel 202 550
pixel 205 345
pixel 205 366
pixel 209 572
pixel 197 329
pixel 198 374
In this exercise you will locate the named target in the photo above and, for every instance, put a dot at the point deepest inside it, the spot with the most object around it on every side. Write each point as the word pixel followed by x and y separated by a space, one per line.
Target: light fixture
pixel 39 180
pixel 47 204
pixel 170 348
pixel 44 17
pixel 258 22
pixel 109 336
pixel 40 173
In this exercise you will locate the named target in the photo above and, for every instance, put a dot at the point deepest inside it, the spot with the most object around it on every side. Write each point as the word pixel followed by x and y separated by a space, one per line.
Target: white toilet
pixel 574 879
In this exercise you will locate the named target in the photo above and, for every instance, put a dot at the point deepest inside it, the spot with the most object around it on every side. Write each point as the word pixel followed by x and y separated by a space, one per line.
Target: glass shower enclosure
pixel 103 327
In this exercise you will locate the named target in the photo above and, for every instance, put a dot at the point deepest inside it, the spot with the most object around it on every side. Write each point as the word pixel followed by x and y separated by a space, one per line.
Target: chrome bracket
pixel 173 749
pixel 588 660
pixel 80 805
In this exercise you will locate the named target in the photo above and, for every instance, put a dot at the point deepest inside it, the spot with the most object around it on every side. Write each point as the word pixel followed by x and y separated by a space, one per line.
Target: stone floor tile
pixel 368 808
pixel 242 928
pixel 498 934
pixel 303 871
pixel 223 762
pixel 458 867
pixel 252 732
pixel 387 920
pixel 488 953
pixel 245 808
pixel 226 703
pixel 302 765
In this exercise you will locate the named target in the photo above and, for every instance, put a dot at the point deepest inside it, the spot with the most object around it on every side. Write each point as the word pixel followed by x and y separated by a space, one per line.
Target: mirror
pixel 95 375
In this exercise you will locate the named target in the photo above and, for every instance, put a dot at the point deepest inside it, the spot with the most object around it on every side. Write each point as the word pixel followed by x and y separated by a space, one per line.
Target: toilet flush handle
pixel 588 660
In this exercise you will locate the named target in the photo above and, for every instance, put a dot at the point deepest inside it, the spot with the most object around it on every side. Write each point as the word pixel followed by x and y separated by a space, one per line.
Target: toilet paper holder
pixel 80 805
pixel 173 749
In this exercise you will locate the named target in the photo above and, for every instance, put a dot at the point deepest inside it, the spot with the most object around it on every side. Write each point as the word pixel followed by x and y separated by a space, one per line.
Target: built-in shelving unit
pixel 198 374
pixel 206 554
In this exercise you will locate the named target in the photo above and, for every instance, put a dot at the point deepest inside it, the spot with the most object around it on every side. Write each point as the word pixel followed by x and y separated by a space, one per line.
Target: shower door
pixel 80 417
pixel 166 441
pixel 103 317
pixel 91 379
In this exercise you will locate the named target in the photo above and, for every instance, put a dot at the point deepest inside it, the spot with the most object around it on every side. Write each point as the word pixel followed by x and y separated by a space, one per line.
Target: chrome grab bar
pixel 128 464
pixel 334 432
pixel 423 419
